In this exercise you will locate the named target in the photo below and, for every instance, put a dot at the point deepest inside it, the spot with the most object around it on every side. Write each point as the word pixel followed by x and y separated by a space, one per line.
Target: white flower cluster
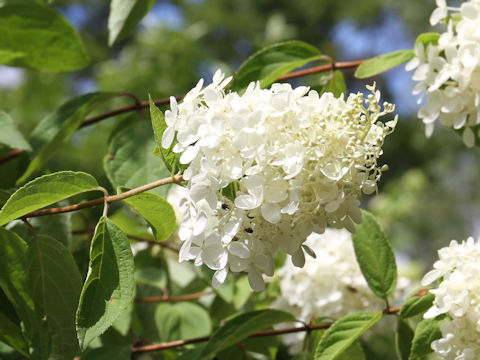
pixel 449 72
pixel 457 295
pixel 331 286
pixel 268 167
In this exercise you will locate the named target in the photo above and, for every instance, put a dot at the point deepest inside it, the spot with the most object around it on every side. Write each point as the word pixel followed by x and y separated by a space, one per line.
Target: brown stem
pixel 166 298
pixel 144 104
pixel 110 199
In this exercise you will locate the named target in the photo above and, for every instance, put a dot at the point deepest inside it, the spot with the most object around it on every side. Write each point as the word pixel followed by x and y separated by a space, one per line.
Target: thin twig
pixel 167 298
pixel 143 104
pixel 110 199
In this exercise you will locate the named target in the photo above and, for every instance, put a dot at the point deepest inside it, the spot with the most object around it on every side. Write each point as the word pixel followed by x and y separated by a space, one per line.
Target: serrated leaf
pixel 13 278
pixel 109 287
pixel 403 339
pixel 375 256
pixel 427 38
pixel 170 158
pixel 130 161
pixel 427 331
pixel 44 191
pixel 10 331
pixel 382 63
pixel 157 211
pixel 273 61
pixel 242 326
pixel 336 85
pixel 124 17
pixel 416 303
pixel 343 333
pixel 55 283
pixel 57 128
pixel 183 320
pixel 9 134
pixel 39 37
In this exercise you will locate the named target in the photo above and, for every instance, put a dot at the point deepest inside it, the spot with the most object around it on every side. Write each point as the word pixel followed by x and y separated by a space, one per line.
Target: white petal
pixel 271 213
pixel 298 258
pixel 255 279
pixel 219 277
pixel 239 249
pixel 246 202
pixel 189 154
pixel 167 137
pixel 468 137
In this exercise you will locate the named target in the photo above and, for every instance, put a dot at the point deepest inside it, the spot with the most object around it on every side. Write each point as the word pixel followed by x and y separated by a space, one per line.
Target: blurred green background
pixel 426 199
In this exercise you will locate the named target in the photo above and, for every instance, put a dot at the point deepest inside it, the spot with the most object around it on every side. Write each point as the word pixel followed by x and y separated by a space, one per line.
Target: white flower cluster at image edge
pixel 457 295
pixel 448 73
pixel 295 161
pixel 331 285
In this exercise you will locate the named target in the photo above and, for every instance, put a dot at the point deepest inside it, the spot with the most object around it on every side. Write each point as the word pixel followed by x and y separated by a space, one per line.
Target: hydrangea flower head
pixel 457 295
pixel 331 285
pixel 448 72
pixel 268 167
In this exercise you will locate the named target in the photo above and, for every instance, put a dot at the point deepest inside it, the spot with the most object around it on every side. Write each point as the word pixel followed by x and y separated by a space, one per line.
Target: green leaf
pixel 336 85
pixel 427 38
pixel 55 284
pixel 130 161
pixel 375 256
pixel 57 128
pixel 10 331
pixel 403 339
pixel 343 333
pixel 117 352
pixel 382 63
pixel 125 16
pixel 416 303
pixel 273 61
pixel 39 37
pixel 9 135
pixel 170 158
pixel 183 320
pixel 157 211
pixel 427 331
pixel 242 326
pixel 13 277
pixel 110 286
pixel 353 352
pixel 46 190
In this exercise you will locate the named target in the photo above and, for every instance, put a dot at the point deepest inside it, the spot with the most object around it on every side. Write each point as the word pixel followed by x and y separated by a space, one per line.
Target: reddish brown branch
pixel 143 104
pixel 110 199
pixel 166 298
pixel 177 343
pixel 322 68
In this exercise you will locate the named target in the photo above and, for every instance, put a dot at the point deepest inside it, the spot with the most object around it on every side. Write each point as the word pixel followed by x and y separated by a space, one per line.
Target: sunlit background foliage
pixel 428 197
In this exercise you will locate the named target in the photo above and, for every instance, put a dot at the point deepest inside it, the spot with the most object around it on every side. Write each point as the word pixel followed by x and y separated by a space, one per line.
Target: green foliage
pixel 157 211
pixel 183 320
pixel 10 331
pixel 109 287
pixel 375 256
pixel 39 37
pixel 427 38
pixel 403 339
pixel 343 333
pixel 108 352
pixel 427 331
pixel 55 284
pixel 382 63
pixel 241 326
pixel 9 135
pixel 124 17
pixel 46 190
pixel 272 62
pixel 130 161
pixel 336 84
pixel 170 158
pixel 57 128
pixel 417 303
